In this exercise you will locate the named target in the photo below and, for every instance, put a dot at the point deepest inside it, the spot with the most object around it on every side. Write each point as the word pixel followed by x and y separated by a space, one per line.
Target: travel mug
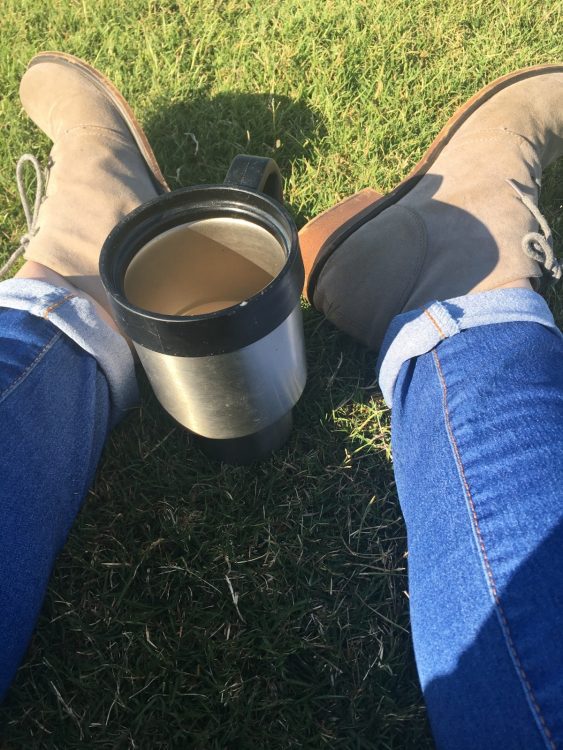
pixel 206 282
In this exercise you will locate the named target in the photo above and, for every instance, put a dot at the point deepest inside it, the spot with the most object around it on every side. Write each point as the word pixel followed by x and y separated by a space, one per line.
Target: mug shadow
pixel 197 139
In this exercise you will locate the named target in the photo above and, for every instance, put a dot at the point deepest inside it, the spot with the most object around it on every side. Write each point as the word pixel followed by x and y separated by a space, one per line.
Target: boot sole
pixel 321 237
pixel 104 85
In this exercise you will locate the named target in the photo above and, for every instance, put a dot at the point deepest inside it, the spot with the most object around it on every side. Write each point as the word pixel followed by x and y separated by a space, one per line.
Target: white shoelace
pixel 30 217
pixel 538 246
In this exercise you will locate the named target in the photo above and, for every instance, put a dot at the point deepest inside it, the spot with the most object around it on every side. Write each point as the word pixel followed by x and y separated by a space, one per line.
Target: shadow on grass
pixel 196 140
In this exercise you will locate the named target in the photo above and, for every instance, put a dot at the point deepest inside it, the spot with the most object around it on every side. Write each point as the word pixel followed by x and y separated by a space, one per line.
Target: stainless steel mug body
pixel 233 394
pixel 206 281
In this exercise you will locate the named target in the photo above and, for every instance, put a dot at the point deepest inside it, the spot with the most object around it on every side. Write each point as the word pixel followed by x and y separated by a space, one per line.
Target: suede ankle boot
pixel 465 220
pixel 101 166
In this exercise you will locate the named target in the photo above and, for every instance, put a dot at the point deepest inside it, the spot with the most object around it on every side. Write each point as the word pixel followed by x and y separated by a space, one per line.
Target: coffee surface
pixel 203 267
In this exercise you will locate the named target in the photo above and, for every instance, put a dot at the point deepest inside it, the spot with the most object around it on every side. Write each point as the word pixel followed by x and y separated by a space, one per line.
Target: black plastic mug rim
pixel 183 191
pixel 172 209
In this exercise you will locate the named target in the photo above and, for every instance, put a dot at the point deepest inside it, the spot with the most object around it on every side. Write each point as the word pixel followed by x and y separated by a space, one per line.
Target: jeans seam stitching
pixel 7 391
pixel 57 304
pixel 492 585
pixel 435 323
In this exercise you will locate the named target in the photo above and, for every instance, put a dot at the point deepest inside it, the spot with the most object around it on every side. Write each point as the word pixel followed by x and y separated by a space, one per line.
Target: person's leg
pixel 66 373
pixel 477 433
pixel 477 417
pixel 65 378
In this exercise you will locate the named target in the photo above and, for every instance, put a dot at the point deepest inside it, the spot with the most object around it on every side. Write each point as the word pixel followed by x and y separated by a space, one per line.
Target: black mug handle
pixel 256 173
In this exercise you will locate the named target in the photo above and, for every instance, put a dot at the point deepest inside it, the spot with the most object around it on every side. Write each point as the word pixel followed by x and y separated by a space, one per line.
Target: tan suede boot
pixel 101 166
pixel 465 220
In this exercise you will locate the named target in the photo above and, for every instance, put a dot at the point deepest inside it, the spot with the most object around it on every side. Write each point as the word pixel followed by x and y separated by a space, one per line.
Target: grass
pixel 141 643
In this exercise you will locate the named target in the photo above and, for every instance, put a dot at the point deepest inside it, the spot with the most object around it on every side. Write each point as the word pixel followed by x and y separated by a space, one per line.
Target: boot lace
pixel 30 216
pixel 538 246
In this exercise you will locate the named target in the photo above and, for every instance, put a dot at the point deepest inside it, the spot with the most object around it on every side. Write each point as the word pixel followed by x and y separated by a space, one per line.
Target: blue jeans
pixel 477 427
pixel 65 379
pixel 477 435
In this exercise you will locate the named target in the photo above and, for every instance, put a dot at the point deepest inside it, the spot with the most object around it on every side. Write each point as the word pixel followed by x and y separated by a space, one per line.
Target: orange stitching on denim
pixel 57 304
pixel 435 324
pixel 6 392
pixel 488 568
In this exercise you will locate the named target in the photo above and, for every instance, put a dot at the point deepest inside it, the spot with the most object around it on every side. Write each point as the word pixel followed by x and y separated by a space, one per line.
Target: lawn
pixel 140 644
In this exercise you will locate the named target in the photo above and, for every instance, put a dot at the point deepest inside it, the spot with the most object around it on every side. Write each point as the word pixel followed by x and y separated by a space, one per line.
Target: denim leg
pixel 77 318
pixel 477 432
pixel 65 378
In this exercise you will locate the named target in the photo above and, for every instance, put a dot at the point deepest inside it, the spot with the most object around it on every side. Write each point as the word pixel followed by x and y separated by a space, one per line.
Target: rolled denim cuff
pixel 77 318
pixel 419 331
